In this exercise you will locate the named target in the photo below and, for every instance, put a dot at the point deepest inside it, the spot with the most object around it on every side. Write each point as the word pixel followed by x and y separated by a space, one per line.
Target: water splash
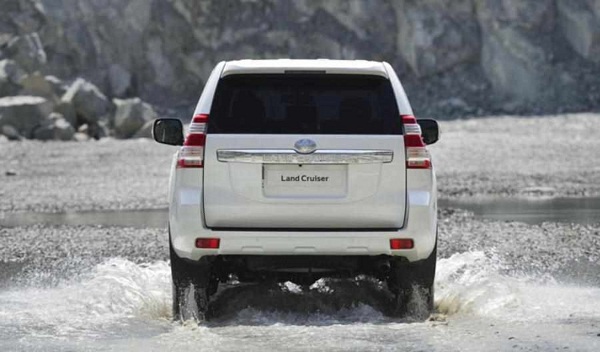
pixel 473 283
pixel 113 293
pixel 120 300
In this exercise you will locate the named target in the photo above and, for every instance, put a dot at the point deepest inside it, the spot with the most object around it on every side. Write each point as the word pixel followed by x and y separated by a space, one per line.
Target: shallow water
pixel 127 218
pixel 527 210
pixel 530 210
pixel 120 305
pixel 485 301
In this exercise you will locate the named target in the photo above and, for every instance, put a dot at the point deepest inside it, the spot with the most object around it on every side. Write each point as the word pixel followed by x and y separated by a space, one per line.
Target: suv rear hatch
pixel 309 151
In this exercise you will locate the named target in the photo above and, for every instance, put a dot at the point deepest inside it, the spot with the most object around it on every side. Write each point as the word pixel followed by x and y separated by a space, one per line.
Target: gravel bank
pixel 72 176
pixel 46 255
pixel 549 156
pixel 512 156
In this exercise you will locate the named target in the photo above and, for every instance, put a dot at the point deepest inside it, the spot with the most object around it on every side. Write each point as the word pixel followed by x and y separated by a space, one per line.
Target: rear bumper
pixel 299 243
pixel 186 224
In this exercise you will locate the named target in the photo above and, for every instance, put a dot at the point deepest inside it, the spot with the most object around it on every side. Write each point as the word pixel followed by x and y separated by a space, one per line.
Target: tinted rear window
pixel 304 104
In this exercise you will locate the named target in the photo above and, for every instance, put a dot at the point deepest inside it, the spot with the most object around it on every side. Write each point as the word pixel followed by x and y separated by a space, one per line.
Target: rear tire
pixel 190 288
pixel 412 285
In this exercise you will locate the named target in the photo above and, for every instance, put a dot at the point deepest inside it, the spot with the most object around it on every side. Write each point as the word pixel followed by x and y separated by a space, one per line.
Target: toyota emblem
pixel 305 146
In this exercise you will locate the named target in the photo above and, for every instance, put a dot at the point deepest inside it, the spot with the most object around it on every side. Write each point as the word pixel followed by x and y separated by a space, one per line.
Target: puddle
pixel 530 210
pixel 156 218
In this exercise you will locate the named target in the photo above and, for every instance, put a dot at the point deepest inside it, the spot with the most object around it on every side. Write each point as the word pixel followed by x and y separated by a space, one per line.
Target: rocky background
pixel 80 69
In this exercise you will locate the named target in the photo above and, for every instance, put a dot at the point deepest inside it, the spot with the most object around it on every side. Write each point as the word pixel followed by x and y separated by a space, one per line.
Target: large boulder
pixel 131 115
pixel 37 85
pixel 88 101
pixel 11 77
pixel 67 111
pixel 579 20
pixel 24 112
pixel 10 132
pixel 515 35
pixel 434 35
pixel 58 86
pixel 55 127
pixel 145 131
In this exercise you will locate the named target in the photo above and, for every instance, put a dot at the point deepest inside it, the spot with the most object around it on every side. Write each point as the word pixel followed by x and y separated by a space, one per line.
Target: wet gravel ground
pixel 46 255
pixel 555 250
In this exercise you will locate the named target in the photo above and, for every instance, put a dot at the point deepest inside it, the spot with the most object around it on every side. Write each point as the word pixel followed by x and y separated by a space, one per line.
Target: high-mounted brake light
pixel 417 156
pixel 192 153
pixel 208 243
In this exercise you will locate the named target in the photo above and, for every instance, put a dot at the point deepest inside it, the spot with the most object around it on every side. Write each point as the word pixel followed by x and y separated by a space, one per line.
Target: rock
pixel 164 50
pixel 435 35
pixel 119 80
pixel 88 101
pixel 81 137
pixel 98 130
pixel 11 133
pixel 37 85
pixel 67 111
pixel 24 112
pixel 513 55
pixel 58 86
pixel 28 51
pixel 131 115
pixel 581 26
pixel 3 139
pixel 55 127
pixel 11 76
pixel 83 128
pixel 145 131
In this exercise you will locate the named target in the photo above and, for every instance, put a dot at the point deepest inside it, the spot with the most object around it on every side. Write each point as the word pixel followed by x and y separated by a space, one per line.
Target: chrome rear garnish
pixel 290 156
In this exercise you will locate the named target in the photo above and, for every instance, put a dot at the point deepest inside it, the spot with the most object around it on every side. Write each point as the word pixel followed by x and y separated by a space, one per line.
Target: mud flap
pixel 412 286
pixel 191 284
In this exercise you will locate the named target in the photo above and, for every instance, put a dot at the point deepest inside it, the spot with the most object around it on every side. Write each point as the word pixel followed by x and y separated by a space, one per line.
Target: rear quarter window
pixel 304 104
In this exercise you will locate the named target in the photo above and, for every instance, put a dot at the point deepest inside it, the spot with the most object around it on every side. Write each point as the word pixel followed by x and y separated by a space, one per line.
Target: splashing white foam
pixel 112 293
pixel 474 283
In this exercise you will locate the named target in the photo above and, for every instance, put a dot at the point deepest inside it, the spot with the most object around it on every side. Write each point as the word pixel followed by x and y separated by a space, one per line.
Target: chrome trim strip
pixel 289 156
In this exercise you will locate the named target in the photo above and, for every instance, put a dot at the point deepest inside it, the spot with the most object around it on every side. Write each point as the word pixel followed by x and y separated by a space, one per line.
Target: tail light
pixel 417 156
pixel 192 153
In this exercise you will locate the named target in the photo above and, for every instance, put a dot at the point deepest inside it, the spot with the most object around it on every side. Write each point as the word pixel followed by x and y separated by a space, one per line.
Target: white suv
pixel 300 169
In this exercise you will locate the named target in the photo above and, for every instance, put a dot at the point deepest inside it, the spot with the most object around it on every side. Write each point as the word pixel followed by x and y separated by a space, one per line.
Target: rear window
pixel 304 104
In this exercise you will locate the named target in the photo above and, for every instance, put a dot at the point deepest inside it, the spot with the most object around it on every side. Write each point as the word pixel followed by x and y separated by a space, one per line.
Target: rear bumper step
pixel 279 229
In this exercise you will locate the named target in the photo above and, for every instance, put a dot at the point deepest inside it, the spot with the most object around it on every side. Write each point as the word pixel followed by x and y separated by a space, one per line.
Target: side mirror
pixel 168 131
pixel 430 130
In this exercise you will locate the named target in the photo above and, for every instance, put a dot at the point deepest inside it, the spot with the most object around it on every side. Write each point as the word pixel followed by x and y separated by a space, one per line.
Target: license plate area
pixel 305 181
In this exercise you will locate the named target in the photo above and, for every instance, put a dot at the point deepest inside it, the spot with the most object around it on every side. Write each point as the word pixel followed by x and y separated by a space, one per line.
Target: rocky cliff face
pixel 455 57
